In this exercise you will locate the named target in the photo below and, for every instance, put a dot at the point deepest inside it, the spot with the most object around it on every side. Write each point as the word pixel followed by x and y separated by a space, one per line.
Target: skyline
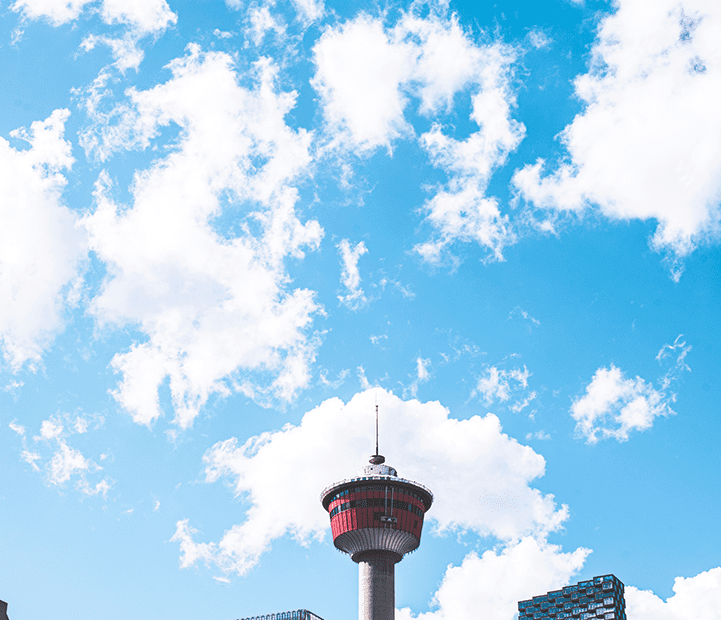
pixel 228 229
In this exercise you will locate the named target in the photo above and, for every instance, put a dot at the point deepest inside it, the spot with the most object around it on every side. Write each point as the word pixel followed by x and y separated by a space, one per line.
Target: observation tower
pixel 376 518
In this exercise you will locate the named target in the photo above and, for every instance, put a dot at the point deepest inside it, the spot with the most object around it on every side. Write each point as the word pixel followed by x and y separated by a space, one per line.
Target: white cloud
pixel 29 456
pixel 367 76
pixel 262 22
pixel 490 586
pixel 520 405
pixel 695 598
pixel 18 428
pixel 518 311
pixel 362 379
pixel 65 462
pixel 215 310
pixel 350 276
pixel 41 249
pixel 57 12
pixel 479 476
pixel 422 375
pixel 68 462
pixel 80 425
pixel 50 429
pixel 124 49
pixel 539 39
pixel 13 386
pixel 680 349
pixel 497 383
pixel 101 488
pixel 463 212
pixel 142 18
pixel 359 74
pixel 422 369
pixel 377 340
pixel 308 10
pixel 342 376
pixel 648 145
pixel 613 406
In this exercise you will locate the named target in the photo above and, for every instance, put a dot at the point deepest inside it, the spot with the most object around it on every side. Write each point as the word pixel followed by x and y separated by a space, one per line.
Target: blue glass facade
pixel 598 598
pixel 300 614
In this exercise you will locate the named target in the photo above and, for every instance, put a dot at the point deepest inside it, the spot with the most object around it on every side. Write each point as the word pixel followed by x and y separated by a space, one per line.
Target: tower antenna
pixel 376 428
pixel 377 459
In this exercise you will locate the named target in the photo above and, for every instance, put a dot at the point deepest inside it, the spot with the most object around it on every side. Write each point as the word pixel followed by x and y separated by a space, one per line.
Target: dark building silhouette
pixel 300 614
pixel 598 598
pixel 3 611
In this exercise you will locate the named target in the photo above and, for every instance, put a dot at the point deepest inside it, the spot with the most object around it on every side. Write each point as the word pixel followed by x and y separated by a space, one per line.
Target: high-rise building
pixel 376 518
pixel 600 597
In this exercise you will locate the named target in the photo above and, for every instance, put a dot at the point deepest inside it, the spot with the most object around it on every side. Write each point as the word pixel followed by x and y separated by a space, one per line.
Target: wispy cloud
pixel 65 462
pixel 350 276
pixel 520 312
pixel 498 384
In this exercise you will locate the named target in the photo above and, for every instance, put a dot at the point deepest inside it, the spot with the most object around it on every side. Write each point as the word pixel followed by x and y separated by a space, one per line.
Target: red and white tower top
pixel 376 518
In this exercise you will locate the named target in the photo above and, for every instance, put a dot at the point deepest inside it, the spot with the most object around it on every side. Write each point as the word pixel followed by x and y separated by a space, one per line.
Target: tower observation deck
pixel 376 518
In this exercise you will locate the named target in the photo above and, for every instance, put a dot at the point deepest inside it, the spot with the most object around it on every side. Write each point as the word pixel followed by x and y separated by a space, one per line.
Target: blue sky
pixel 230 228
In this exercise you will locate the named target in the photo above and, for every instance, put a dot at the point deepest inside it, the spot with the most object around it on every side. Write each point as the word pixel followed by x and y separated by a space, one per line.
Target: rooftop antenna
pixel 377 459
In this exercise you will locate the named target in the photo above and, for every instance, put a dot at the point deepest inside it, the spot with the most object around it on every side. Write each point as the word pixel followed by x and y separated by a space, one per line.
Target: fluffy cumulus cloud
pixel 490 586
pixel 41 251
pixel 223 317
pixel 613 405
pixel 648 145
pixel 367 76
pixel 480 477
pixel 359 72
pixel 695 598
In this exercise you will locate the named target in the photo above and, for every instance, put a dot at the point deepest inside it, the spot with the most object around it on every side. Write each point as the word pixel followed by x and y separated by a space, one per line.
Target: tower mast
pixel 376 454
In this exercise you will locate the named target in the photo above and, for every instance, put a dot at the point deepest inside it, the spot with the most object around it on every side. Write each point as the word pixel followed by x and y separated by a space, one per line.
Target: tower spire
pixel 376 428
pixel 377 459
